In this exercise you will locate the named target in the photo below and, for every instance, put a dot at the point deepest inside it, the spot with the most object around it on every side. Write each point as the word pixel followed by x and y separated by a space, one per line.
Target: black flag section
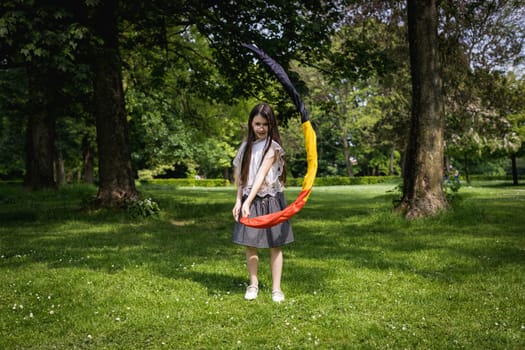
pixel 283 78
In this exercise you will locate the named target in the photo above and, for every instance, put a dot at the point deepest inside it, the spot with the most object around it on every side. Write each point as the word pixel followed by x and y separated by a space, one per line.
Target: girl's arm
pixel 238 203
pixel 259 179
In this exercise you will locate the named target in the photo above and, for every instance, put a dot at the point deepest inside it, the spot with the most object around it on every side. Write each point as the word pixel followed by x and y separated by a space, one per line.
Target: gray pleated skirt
pixel 272 237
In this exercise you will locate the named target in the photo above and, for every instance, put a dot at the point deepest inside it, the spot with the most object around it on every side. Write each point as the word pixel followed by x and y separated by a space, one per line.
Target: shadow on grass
pixel 349 229
pixel 497 184
pixel 217 282
pixel 459 244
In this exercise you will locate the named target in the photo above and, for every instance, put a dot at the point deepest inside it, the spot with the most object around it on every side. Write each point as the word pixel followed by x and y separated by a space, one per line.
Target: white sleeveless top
pixel 271 185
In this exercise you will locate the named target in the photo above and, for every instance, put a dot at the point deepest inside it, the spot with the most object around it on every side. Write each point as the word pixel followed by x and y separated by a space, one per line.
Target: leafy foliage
pixel 189 85
pixel 142 208
pixel 12 121
pixel 355 102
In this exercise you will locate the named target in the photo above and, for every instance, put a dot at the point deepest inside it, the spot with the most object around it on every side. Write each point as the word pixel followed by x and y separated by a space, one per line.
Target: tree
pixel 42 41
pixel 423 170
pixel 518 122
pixel 506 95
pixel 176 114
pixel 13 121
pixel 285 30
pixel 185 69
pixel 116 176
pixel 353 86
pixel 29 49
pixel 351 110
pixel 40 135
pixel 480 43
pixel 482 35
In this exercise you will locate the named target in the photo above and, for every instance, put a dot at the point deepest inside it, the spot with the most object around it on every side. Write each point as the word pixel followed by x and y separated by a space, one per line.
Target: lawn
pixel 357 277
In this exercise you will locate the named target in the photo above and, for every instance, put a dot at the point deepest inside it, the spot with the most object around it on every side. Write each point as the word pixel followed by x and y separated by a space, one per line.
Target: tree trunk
pixel 446 168
pixel 40 133
pixel 226 175
pixel 88 173
pixel 117 182
pixel 391 160
pixel 346 154
pixel 423 188
pixel 466 168
pixel 60 174
pixel 514 170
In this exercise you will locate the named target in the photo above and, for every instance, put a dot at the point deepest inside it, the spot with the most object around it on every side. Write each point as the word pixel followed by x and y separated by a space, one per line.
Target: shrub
pixel 494 177
pixel 357 180
pixel 319 181
pixel 189 182
pixel 142 208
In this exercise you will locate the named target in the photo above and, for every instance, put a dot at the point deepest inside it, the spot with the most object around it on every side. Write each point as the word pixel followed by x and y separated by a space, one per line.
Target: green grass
pixel 357 277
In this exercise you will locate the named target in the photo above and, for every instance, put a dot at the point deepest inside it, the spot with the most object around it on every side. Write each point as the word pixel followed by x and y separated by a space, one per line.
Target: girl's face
pixel 260 127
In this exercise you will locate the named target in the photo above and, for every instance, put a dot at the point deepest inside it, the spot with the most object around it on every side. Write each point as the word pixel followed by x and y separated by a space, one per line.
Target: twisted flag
pixel 265 221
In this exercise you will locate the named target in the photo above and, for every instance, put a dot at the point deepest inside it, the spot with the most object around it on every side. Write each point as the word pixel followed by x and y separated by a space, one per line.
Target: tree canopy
pixel 186 85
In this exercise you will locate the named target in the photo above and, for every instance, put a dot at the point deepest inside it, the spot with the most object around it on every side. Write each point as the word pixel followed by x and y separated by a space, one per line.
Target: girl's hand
pixel 236 210
pixel 246 208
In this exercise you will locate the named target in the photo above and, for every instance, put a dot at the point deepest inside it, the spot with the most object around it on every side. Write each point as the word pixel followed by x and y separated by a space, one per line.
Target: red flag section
pixel 269 220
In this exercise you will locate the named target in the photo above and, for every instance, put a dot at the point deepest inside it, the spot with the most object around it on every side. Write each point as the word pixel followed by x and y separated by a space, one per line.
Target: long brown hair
pixel 265 111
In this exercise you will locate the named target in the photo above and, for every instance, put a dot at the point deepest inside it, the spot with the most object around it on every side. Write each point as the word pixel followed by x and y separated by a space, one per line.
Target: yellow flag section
pixel 311 155
pixel 266 221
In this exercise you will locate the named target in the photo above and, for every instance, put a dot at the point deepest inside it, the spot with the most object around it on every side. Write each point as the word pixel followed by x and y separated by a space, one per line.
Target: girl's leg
pixel 276 264
pixel 252 262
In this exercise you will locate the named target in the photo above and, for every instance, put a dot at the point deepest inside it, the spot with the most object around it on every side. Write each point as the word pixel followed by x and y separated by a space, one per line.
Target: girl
pixel 259 176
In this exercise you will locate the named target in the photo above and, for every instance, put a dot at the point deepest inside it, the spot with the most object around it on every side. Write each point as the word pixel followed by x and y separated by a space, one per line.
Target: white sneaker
pixel 277 296
pixel 251 292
